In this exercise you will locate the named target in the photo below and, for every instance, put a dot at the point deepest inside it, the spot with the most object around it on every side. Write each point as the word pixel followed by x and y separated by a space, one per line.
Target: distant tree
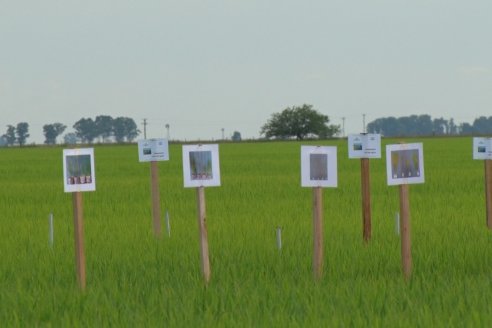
pixel 104 127
pixel 413 125
pixel 52 131
pixel 70 138
pixel 22 131
pixel 236 136
pixel 440 126
pixel 299 122
pixel 125 128
pixel 466 129
pixel 482 125
pixel 85 130
pixel 3 141
pixel 9 136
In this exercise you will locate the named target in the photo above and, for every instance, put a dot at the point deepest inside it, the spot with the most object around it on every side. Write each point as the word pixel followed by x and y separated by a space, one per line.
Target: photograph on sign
pixel 318 166
pixel 153 150
pixel 78 170
pixel 405 163
pixel 482 148
pixel 201 165
pixel 364 145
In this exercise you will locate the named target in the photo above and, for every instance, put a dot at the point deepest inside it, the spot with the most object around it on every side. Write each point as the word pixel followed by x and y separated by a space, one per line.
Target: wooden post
pixel 318 233
pixel 488 191
pixel 156 206
pixel 366 199
pixel 406 250
pixel 200 192
pixel 78 218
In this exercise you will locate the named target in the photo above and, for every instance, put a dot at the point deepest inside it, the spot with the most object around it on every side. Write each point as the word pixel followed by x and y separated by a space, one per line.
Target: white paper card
pixel 78 170
pixel 150 150
pixel 201 165
pixel 319 166
pixel 364 145
pixel 405 163
pixel 482 148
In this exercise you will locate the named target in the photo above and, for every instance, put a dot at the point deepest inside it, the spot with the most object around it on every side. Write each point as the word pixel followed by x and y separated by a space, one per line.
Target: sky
pixel 204 65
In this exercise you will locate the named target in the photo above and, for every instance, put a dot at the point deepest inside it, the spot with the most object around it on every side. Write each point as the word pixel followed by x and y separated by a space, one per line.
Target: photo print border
pixel 405 177
pixel 214 181
pixel 331 166
pixel 79 187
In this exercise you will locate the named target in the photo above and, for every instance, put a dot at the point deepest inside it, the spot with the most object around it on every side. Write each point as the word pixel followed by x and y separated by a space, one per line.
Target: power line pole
pixel 223 138
pixel 363 123
pixel 145 128
pixel 343 126
pixel 167 128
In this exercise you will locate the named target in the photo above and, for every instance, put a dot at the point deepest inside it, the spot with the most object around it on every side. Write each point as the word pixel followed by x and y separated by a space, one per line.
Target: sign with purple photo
pixel 78 170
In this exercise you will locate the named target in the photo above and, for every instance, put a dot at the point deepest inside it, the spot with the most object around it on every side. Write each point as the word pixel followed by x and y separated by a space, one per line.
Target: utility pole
pixel 145 128
pixel 343 126
pixel 167 128
pixel 223 138
pixel 364 123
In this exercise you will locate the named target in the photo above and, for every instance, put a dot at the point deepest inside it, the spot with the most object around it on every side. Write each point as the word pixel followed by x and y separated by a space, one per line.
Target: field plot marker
pixel 318 170
pixel 153 151
pixel 406 246
pixel 78 223
pixel 365 146
pixel 168 224
pixel 156 199
pixel 317 232
pixel 201 169
pixel 366 199
pixel 279 237
pixel 79 176
pixel 488 191
pixel 397 223
pixel 404 166
pixel 482 149
pixel 51 229
pixel 202 226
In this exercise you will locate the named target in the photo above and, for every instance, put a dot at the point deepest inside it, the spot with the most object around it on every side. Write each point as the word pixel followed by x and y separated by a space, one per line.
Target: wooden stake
pixel 200 192
pixel 406 250
pixel 488 191
pixel 366 199
pixel 78 218
pixel 156 205
pixel 318 233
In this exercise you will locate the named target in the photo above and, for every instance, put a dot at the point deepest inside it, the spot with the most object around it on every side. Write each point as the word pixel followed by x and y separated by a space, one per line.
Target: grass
pixel 135 280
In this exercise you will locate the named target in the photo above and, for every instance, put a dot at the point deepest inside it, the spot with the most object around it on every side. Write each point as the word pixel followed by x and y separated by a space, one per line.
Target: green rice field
pixel 136 280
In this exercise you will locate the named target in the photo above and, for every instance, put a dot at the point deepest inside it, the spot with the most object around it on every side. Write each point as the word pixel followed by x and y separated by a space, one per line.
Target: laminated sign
pixel 78 170
pixel 150 150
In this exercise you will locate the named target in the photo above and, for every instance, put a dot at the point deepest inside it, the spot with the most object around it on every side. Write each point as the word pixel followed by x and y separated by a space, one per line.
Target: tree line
pixel 86 130
pixel 424 125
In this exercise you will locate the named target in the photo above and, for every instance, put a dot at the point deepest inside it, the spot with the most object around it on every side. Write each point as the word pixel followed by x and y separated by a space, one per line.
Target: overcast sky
pixel 203 65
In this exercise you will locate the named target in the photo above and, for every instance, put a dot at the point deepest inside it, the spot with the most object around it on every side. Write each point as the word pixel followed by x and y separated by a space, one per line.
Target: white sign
pixel 150 150
pixel 405 163
pixel 482 148
pixel 78 170
pixel 364 145
pixel 319 166
pixel 201 165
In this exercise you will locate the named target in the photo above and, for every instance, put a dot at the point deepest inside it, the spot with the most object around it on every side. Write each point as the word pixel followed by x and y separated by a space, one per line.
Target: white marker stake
pixel 279 238
pixel 168 224
pixel 397 224
pixel 50 219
